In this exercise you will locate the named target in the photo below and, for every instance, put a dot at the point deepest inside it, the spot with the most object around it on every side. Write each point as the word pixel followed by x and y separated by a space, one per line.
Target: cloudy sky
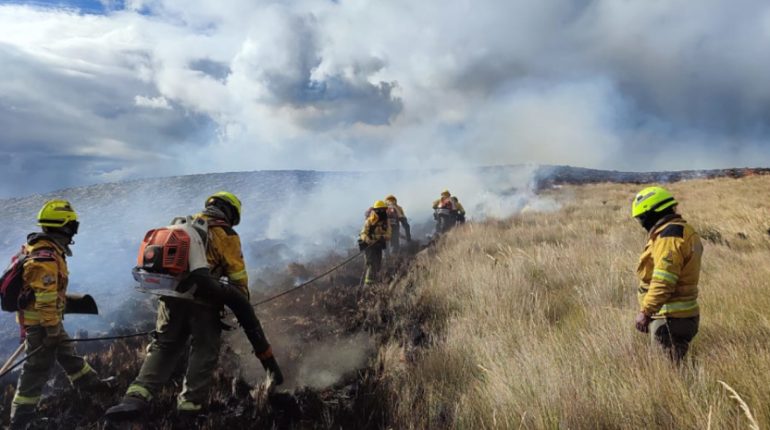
pixel 94 91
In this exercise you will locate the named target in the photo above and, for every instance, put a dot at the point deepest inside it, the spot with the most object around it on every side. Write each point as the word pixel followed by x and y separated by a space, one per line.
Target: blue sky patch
pixel 84 6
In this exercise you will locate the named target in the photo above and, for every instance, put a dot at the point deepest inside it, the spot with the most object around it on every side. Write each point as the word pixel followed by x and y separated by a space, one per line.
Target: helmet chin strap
pixel 647 221
pixel 651 218
pixel 62 234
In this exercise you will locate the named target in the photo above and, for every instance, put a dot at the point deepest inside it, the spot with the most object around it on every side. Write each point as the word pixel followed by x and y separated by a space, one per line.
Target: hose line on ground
pixel 270 299
pixel 306 283
pixel 89 339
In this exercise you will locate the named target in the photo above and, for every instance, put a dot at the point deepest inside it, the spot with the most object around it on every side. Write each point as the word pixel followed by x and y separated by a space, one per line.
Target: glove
pixel 361 245
pixel 643 322
pixel 53 336
pixel 271 367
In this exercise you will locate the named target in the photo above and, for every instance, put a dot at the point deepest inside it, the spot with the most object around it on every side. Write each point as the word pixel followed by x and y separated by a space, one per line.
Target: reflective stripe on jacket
pixel 669 270
pixel 225 255
pixel 46 275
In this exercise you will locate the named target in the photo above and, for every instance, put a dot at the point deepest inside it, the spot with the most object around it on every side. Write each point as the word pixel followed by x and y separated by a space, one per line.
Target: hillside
pixel 289 216
pixel 518 322
pixel 531 320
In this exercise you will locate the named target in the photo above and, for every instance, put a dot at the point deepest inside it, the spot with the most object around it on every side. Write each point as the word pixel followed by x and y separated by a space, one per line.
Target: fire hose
pixel 8 368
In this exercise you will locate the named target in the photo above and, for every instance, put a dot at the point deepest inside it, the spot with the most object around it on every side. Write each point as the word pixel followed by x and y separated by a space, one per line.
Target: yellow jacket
pixel 46 276
pixel 669 269
pixel 375 229
pixel 459 208
pixel 224 254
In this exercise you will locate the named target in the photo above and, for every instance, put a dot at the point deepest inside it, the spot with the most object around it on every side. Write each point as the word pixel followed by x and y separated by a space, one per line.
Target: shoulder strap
pixel 42 254
pixel 214 222
pixel 224 225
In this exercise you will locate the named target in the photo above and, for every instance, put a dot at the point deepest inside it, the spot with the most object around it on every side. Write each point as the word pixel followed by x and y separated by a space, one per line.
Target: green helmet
pixel 231 200
pixel 655 199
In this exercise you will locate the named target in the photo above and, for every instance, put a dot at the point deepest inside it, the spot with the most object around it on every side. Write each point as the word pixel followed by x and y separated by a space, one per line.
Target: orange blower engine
pixel 168 254
pixel 164 251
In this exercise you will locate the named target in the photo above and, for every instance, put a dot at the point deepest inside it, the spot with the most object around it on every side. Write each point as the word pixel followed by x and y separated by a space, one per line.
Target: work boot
pixel 188 413
pixel 22 416
pixel 130 408
pixel 187 410
pixel 271 367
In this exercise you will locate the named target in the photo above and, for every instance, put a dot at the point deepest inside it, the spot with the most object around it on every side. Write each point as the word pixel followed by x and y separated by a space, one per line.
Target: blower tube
pixel 210 290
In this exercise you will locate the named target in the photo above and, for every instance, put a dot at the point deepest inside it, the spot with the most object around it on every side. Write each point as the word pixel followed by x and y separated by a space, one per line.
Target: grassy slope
pixel 530 320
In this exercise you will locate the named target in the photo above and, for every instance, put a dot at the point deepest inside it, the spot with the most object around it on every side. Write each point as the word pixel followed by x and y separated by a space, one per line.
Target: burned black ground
pixel 336 307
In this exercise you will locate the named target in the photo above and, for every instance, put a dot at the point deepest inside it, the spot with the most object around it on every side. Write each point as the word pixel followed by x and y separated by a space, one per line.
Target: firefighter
pixel 444 212
pixel 459 210
pixel 668 271
pixel 43 297
pixel 397 219
pixel 373 239
pixel 179 320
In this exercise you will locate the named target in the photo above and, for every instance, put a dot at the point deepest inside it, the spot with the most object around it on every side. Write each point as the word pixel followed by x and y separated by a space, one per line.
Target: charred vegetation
pixel 311 326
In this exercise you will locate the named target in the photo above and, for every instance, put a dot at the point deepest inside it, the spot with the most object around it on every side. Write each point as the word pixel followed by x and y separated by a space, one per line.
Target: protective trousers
pixel 373 258
pixel 395 238
pixel 674 335
pixel 36 370
pixel 444 223
pixel 177 321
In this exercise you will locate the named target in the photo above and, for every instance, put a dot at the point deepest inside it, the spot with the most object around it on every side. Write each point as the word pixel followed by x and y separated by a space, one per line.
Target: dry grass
pixel 531 320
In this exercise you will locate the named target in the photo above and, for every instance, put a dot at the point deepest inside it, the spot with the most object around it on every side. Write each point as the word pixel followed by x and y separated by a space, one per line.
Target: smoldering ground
pixel 321 337
pixel 315 363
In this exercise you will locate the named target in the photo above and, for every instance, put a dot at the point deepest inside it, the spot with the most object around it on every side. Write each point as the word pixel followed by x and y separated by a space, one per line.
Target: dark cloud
pixel 334 99
pixel 216 69
pixel 343 102
pixel 63 128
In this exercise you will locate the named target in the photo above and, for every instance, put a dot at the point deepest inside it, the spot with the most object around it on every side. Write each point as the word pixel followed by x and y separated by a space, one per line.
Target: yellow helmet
pixel 391 198
pixel 231 200
pixel 445 193
pixel 655 199
pixel 56 213
pixel 379 204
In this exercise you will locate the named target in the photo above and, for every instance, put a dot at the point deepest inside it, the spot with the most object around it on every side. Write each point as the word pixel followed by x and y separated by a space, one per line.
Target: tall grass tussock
pixel 530 320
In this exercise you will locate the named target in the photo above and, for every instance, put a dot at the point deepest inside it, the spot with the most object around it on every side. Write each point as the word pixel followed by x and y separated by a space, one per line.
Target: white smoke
pixel 287 217
pixel 168 87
